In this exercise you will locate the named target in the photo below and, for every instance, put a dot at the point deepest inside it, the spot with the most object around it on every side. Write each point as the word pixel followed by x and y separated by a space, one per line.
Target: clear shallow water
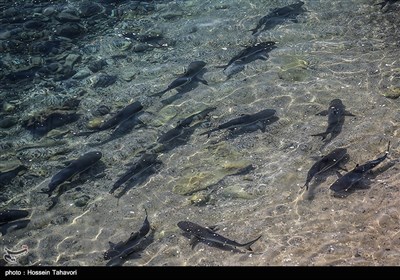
pixel 346 50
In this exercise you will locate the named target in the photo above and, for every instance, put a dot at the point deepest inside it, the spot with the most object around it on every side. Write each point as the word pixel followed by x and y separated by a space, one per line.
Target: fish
pixel 11 226
pixel 124 128
pixel 176 137
pixel 325 163
pixel 336 115
pixel 74 168
pixel 247 55
pixel 260 124
pixel 208 234
pixel 118 253
pixel 146 162
pixel 350 179
pixel 42 125
pixel 12 215
pixel 386 3
pixel 124 114
pixel 278 16
pixel 243 120
pixel 189 76
pixel 195 117
pixel 181 130
pixel 8 176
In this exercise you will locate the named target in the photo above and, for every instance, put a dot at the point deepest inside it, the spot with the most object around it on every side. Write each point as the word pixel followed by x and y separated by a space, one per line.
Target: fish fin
pixel 116 186
pixel 247 245
pixel 3 230
pixel 201 81
pixel 160 93
pixel 323 135
pixel 54 201
pixel 263 57
pixel 263 127
pixel 222 66
pixel 214 228
pixel 253 30
pixel 194 241
pixel 112 245
pixel 347 113
pixel 382 4
pixel 208 133
pixel 85 133
pixel 343 168
pixel 322 113
pixel 316 157
pixel 45 192
pixel 338 174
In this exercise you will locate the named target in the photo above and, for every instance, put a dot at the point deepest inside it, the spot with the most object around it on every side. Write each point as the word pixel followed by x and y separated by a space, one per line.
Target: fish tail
pixel 3 229
pixel 247 245
pixel 45 192
pixel 323 135
pixel 113 189
pixel 208 133
pixel 221 66
pixel 382 4
pixel 253 31
pixel 160 93
pixel 85 133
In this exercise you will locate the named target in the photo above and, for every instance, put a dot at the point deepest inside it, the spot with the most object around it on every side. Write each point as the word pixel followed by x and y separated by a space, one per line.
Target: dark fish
pixel 146 162
pixel 260 124
pixel 176 137
pixel 209 235
pixel 336 115
pixel 74 168
pixel 12 215
pixel 8 176
pixel 345 182
pixel 124 114
pixel 386 3
pixel 325 163
pixel 195 117
pixel 243 121
pixel 40 126
pixel 183 127
pixel 119 252
pixel 16 77
pixel 249 54
pixel 190 75
pixel 278 16
pixel 11 226
pixel 124 128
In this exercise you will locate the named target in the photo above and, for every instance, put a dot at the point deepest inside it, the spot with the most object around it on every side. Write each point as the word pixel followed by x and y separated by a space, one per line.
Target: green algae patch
pixel 217 162
pixel 392 92
pixel 293 69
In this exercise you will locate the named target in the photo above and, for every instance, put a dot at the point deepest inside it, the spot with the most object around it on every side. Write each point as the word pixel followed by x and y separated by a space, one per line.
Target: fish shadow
pixel 181 91
pixel 319 179
pixel 116 261
pixel 93 173
pixel 138 180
